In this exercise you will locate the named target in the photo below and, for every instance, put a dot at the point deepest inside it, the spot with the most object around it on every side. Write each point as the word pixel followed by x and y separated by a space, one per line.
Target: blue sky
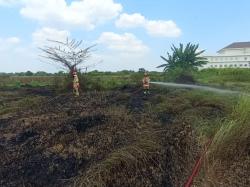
pixel 129 34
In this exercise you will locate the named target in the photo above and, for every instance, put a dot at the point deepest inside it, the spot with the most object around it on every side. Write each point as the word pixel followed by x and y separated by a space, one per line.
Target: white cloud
pixel 23 58
pixel 82 13
pixel 118 62
pixel 40 37
pixel 130 21
pixel 13 54
pixel 19 56
pixel 126 43
pixel 13 40
pixel 8 43
pixel 9 2
pixel 123 51
pixel 153 27
pixel 163 28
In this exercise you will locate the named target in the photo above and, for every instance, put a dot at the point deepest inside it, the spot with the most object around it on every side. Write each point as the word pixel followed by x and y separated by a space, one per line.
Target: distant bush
pixel 62 82
pixel 224 75
pixel 179 75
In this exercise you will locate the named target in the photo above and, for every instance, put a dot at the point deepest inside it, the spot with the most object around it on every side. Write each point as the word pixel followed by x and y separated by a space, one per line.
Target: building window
pixel 241 65
pixel 221 66
pixel 236 58
pixel 225 65
pixel 245 58
pixel 235 65
pixel 245 65
pixel 215 66
pixel 230 65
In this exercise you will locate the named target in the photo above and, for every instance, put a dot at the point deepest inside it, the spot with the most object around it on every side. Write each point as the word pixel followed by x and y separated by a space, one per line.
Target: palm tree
pixel 187 58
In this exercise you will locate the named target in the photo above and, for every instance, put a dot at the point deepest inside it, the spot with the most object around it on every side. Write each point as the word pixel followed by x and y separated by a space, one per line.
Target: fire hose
pixel 197 165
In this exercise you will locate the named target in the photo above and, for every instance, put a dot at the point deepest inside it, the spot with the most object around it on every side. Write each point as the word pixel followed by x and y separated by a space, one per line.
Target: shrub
pixel 180 75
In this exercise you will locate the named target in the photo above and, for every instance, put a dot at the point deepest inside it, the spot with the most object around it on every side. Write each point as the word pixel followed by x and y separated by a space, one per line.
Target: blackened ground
pixel 39 91
pixel 65 137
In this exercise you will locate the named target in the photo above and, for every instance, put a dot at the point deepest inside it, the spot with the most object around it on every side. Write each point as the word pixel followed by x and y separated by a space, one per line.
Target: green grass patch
pixel 236 79
pixel 232 140
pixel 18 104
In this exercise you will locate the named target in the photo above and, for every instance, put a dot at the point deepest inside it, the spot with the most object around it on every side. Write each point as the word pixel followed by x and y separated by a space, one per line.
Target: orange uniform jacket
pixel 146 81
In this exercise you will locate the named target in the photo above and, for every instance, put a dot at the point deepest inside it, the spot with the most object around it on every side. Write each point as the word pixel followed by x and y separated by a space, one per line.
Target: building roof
pixel 238 45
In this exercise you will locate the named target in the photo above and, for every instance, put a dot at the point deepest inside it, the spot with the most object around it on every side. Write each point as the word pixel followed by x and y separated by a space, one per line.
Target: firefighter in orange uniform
pixel 146 81
pixel 76 84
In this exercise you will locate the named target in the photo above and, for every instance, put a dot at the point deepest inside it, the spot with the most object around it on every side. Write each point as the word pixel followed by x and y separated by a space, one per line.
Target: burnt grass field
pixel 102 138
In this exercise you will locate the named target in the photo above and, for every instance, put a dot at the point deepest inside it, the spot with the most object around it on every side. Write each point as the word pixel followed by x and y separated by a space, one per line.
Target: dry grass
pixel 228 161
pixel 233 138
pixel 126 164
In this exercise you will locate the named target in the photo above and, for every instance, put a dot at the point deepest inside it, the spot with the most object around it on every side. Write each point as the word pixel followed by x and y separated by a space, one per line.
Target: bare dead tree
pixel 67 54
pixel 85 68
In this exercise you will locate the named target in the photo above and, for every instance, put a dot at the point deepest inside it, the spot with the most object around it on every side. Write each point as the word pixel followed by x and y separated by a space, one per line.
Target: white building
pixel 235 55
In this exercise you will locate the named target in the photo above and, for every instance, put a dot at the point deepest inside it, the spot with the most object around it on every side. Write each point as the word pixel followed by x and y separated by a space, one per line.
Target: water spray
pixel 192 86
